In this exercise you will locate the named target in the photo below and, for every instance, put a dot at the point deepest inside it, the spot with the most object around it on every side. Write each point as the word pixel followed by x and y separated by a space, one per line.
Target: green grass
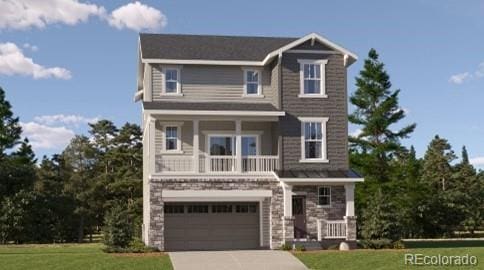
pixel 76 256
pixel 386 259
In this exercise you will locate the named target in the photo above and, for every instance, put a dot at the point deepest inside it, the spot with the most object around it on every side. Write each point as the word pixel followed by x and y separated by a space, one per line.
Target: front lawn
pixel 384 259
pixel 76 256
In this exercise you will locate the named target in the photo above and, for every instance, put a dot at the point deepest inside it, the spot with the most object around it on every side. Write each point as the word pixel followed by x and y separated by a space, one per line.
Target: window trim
pixel 259 83
pixel 324 141
pixel 178 149
pixel 178 81
pixel 330 201
pixel 322 85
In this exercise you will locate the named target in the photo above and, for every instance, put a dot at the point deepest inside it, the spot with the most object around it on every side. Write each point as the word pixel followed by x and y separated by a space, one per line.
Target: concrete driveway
pixel 237 259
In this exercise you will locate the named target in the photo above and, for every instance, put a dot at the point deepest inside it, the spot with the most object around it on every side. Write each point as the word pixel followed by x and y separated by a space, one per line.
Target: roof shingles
pixel 202 47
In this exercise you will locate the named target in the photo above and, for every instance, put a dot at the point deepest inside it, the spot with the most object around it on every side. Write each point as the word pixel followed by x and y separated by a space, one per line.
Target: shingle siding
pixel 334 107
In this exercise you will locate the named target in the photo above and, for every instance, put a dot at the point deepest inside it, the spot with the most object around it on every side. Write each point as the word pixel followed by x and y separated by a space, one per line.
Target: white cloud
pixel 356 133
pixel 480 70
pixel 31 47
pixel 460 78
pixel 74 120
pixel 46 137
pixel 136 16
pixel 467 76
pixel 25 14
pixel 477 161
pixel 14 62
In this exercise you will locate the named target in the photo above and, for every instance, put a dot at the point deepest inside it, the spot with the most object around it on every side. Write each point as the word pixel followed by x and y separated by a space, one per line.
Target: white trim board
pixel 217 113
pixel 319 181
pixel 215 195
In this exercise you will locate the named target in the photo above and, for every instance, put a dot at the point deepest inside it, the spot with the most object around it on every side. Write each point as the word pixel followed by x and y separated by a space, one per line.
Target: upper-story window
pixel 171 85
pixel 252 83
pixel 313 139
pixel 312 78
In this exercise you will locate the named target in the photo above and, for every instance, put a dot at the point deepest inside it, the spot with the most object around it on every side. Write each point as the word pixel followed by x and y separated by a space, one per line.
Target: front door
pixel 299 213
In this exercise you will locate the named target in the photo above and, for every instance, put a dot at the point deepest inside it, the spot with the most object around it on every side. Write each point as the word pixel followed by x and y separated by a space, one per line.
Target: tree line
pixel 404 196
pixel 64 198
pixel 97 180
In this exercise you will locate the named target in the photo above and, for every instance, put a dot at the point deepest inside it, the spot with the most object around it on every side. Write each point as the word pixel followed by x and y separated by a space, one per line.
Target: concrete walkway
pixel 237 259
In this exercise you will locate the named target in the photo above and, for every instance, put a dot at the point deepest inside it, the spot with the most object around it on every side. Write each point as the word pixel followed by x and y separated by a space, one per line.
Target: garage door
pixel 211 226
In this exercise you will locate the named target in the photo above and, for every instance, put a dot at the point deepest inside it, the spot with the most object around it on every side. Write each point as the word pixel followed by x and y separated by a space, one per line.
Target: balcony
pixel 212 164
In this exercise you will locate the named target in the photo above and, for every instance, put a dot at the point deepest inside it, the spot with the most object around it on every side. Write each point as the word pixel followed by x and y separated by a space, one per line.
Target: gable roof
pixel 209 49
pixel 199 47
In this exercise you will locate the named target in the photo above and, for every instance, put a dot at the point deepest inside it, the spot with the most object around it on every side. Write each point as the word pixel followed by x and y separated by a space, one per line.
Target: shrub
pixel 398 244
pixel 333 247
pixel 300 248
pixel 286 246
pixel 376 243
pixel 118 229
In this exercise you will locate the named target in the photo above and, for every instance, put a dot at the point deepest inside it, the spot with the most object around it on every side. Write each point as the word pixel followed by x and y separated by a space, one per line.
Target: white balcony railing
pixel 216 164
pixel 168 163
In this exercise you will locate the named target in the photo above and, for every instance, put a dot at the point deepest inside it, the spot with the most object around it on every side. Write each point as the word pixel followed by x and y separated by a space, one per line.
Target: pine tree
pixel 10 130
pixel 437 169
pixel 79 156
pixel 440 209
pixel 471 193
pixel 377 109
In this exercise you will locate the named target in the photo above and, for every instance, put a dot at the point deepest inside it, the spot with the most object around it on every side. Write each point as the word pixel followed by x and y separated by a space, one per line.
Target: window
pixel 324 196
pixel 174 209
pixel 222 208
pixel 252 83
pixel 172 137
pixel 224 145
pixel 171 141
pixel 312 78
pixel 246 208
pixel 197 208
pixel 172 81
pixel 249 146
pixel 313 139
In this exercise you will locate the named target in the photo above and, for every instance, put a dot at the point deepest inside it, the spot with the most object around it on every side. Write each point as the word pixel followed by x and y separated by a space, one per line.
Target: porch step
pixel 308 245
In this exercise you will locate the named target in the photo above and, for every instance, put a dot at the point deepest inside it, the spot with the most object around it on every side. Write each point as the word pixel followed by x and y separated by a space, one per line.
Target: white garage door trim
pixel 214 195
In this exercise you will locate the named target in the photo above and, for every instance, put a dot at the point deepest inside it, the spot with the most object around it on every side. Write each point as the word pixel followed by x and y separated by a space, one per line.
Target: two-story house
pixel 244 141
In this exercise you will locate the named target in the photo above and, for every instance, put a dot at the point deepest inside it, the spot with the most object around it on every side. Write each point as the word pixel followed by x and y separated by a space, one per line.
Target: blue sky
pixel 84 62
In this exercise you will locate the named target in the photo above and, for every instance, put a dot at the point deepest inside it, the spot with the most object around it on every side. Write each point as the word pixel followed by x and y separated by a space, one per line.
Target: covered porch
pixel 319 206
pixel 205 142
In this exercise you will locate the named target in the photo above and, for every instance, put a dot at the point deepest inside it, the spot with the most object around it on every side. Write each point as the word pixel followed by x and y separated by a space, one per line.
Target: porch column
pixel 350 218
pixel 350 199
pixel 196 146
pixel 151 145
pixel 287 193
pixel 238 145
pixel 287 219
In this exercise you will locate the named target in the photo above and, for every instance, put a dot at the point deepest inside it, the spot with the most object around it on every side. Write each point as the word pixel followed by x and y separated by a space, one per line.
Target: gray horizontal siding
pixel 266 140
pixel 212 83
pixel 186 138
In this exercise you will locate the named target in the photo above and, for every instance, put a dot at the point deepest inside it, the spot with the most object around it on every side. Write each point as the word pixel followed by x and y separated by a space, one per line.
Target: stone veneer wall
pixel 276 206
pixel 315 212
